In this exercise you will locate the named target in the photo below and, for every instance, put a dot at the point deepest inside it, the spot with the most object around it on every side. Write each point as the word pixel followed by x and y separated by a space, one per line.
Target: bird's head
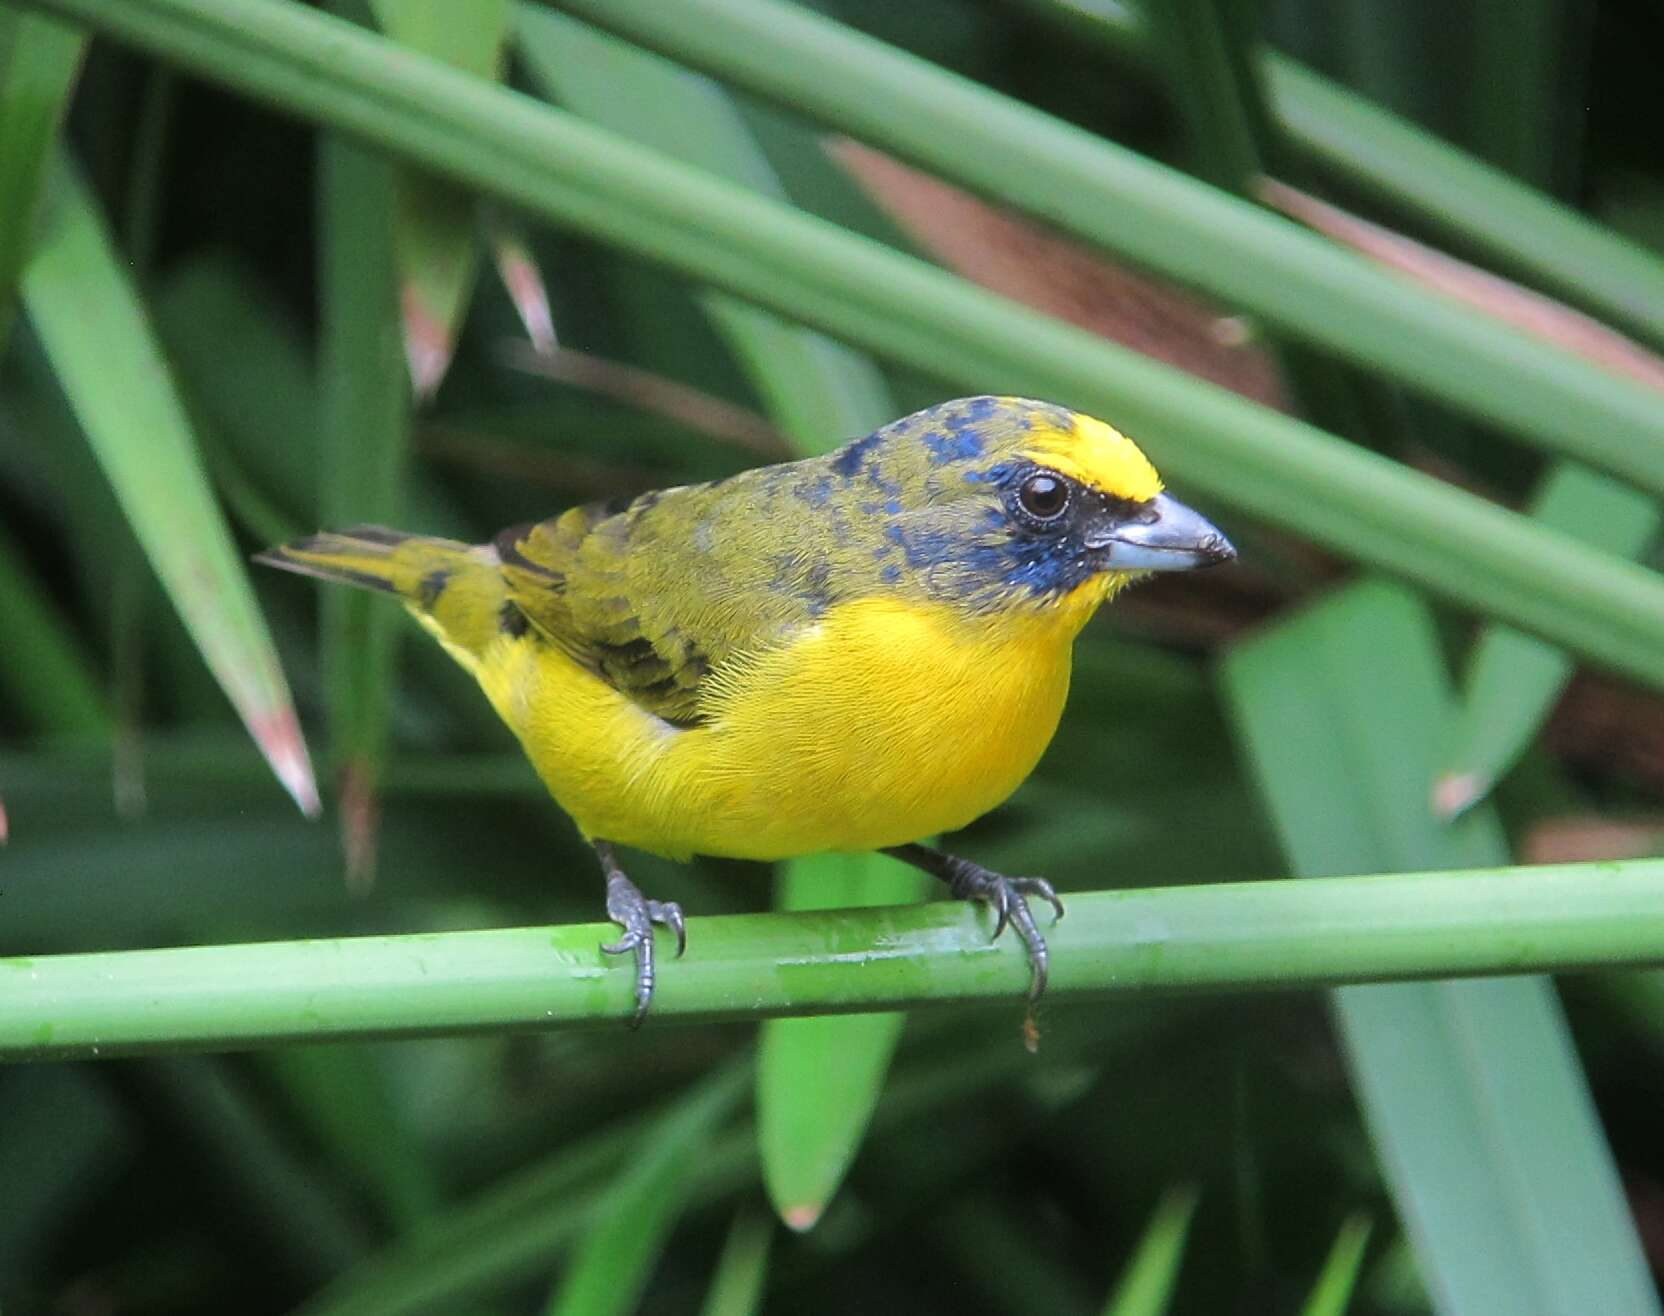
pixel 996 502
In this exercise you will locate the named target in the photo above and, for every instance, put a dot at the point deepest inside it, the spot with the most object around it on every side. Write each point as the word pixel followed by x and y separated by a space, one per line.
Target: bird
pixel 848 652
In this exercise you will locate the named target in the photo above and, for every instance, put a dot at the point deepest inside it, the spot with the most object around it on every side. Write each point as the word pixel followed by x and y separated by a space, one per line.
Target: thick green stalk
pixel 1206 439
pixel 1390 159
pixel 1214 938
pixel 1307 287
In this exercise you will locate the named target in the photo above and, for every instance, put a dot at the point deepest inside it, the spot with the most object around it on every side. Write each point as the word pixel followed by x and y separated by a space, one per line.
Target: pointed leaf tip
pixel 1456 792
pixel 428 343
pixel 524 283
pixel 279 737
pixel 802 1218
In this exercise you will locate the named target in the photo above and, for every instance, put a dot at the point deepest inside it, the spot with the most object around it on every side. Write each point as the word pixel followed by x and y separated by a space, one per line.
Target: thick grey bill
pixel 1174 539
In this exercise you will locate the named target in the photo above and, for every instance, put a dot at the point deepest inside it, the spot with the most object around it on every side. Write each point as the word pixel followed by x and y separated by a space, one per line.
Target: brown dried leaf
pixel 1028 263
pixel 1500 298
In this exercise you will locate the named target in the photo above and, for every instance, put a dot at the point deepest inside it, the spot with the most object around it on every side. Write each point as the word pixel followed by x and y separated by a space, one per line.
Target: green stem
pixel 1263 463
pixel 1314 932
pixel 1485 209
pixel 1308 287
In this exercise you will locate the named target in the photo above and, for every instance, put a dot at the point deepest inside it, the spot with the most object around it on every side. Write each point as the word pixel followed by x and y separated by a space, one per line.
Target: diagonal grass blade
pixel 100 342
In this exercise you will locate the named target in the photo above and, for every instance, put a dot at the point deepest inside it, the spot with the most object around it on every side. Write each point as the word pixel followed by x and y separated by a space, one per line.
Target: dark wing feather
pixel 655 596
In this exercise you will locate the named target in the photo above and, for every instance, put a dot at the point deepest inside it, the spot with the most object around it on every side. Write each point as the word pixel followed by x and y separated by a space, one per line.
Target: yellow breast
pixel 883 723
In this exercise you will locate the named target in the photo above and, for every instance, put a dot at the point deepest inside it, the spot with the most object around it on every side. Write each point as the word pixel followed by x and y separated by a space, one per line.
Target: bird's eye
pixel 1043 496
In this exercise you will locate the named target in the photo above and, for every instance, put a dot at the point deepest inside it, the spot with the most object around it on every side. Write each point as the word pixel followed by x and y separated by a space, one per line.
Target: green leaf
pixel 1146 1286
pixel 1205 440
pixel 1473 1093
pixel 245 365
pixel 818 1080
pixel 100 343
pixel 816 391
pixel 742 1269
pixel 434 223
pixel 39 58
pixel 1520 115
pixel 612 1265
pixel 341 1096
pixel 1513 680
pixel 1332 1293
pixel 211 1117
pixel 1208 49
pixel 42 668
pixel 365 402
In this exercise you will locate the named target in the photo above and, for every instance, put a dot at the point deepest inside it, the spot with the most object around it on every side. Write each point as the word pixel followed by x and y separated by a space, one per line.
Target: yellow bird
pixel 843 653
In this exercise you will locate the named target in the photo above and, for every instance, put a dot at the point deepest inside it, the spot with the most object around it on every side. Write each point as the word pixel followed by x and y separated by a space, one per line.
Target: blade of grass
pixel 208 1116
pixel 1392 161
pixel 1336 1282
pixel 1211 938
pixel 95 331
pixel 1267 465
pixel 818 1080
pixel 42 668
pixel 1518 109
pixel 1146 1287
pixel 1216 91
pixel 342 1098
pixel 523 281
pixel 817 392
pixel 39 58
pixel 365 402
pixel 511 1231
pixel 1206 49
pixel 1513 681
pixel 1472 1091
pixel 63 1138
pixel 515 1227
pixel 213 311
pixel 1310 290
pixel 434 221
pixel 612 1265
pixel 742 1269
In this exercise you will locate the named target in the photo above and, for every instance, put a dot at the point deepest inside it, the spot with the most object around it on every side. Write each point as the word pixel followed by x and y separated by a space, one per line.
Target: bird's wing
pixel 655 596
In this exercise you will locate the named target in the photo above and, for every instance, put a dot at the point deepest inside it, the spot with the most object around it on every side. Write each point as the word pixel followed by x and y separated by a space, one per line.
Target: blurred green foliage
pixel 531 1172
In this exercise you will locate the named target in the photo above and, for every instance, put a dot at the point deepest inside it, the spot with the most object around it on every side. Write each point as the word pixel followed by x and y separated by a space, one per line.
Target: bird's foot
pixel 1008 898
pixel 636 914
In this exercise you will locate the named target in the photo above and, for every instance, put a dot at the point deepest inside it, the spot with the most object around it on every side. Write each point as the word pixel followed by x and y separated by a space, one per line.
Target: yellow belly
pixel 882 724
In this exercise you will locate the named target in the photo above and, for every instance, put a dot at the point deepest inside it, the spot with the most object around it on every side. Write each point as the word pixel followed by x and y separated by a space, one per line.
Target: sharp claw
pixel 1002 909
pixel 1042 888
pixel 672 914
pixel 629 941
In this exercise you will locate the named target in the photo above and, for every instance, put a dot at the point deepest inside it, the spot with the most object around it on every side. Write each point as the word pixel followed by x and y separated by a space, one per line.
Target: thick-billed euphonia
pixel 848 652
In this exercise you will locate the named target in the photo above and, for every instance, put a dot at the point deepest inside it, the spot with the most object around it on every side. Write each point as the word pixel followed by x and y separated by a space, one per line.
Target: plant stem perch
pixel 1240 936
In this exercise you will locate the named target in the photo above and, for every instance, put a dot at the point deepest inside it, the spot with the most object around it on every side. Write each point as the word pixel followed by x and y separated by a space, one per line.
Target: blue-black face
pixel 970 503
pixel 1019 532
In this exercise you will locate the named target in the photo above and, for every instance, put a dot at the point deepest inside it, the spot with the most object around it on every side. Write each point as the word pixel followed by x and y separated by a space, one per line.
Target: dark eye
pixel 1043 496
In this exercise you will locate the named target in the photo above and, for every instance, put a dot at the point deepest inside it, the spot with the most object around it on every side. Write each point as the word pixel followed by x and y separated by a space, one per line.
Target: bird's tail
pixel 452 588
pixel 369 556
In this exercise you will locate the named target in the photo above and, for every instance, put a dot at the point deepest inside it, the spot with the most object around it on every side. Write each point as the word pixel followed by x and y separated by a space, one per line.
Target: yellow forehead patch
pixel 1098 456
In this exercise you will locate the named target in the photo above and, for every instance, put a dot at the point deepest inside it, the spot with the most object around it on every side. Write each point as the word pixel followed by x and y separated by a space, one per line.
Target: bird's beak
pixel 1166 536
